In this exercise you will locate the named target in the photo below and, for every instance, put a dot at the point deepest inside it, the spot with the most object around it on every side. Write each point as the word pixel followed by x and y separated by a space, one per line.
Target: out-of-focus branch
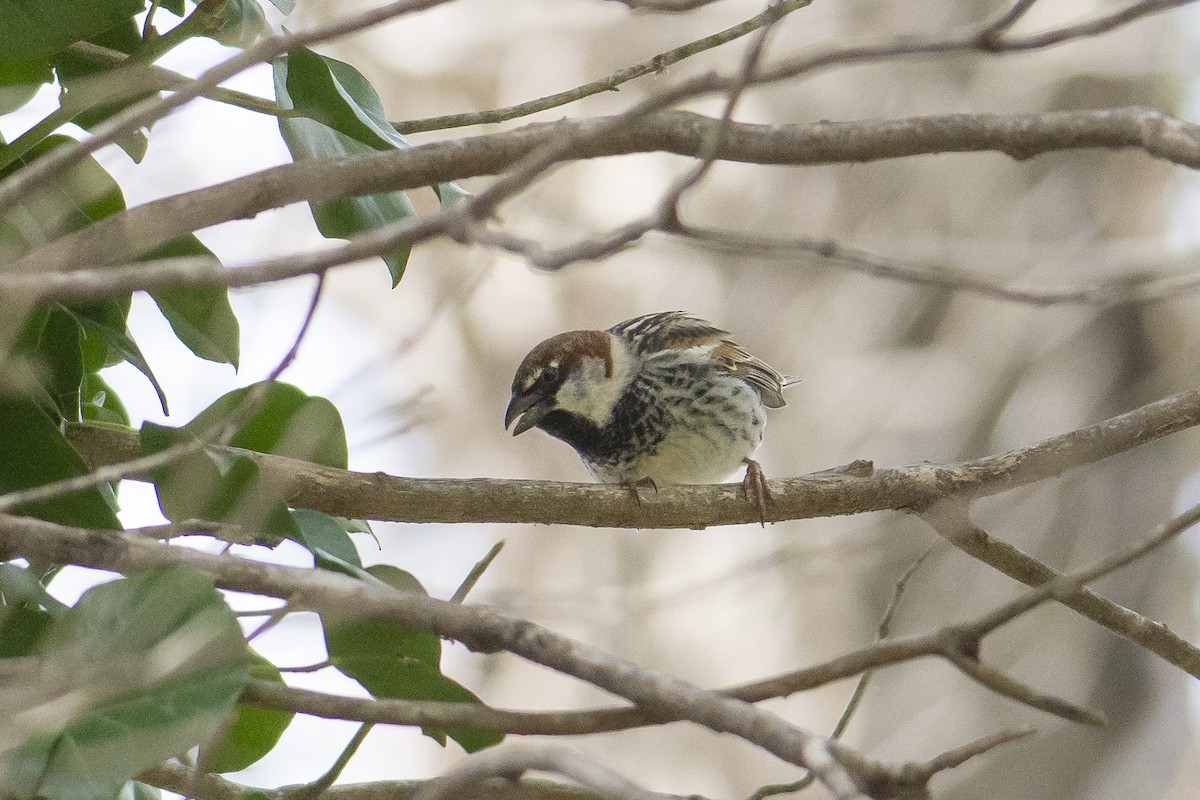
pixel 145 113
pixel 1135 286
pixel 481 629
pixel 653 65
pixel 130 233
pixel 513 761
pixel 181 780
pixel 385 497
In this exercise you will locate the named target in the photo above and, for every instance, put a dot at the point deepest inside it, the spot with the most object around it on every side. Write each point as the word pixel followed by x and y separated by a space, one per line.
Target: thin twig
pixel 143 114
pixel 653 65
pixel 313 790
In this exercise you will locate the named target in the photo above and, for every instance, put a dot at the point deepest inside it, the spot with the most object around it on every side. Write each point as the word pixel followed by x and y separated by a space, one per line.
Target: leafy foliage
pixel 144 668
pixel 138 671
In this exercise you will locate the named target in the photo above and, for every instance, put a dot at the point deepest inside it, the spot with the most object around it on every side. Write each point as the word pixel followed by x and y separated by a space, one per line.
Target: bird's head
pixel 577 373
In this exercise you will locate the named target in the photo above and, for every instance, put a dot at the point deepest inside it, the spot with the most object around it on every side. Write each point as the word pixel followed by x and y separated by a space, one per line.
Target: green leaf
pixel 200 315
pixel 242 22
pixel 107 321
pixel 101 404
pixel 20 81
pixel 226 490
pixel 19 585
pixel 338 95
pixel 307 138
pixel 254 731
pixel 73 200
pixel 231 489
pixel 140 670
pixel 38 28
pixel 288 423
pixel 21 628
pixel 80 76
pixel 60 352
pixel 392 660
pixel 36 453
pixel 324 535
pixel 26 612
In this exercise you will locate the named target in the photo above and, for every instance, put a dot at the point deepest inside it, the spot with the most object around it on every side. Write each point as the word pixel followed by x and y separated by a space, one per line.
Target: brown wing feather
pixel 678 330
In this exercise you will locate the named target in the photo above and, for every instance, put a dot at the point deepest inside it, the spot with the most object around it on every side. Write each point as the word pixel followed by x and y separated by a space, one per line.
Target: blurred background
pixel 893 373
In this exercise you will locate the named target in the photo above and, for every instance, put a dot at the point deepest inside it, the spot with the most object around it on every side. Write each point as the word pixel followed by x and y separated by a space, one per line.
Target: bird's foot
pixel 755 489
pixel 633 486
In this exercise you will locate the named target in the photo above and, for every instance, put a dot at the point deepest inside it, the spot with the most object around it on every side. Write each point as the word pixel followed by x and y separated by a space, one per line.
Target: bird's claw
pixel 632 486
pixel 756 490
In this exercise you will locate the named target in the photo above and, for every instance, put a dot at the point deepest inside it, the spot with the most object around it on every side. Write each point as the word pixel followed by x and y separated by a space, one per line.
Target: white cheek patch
pixel 590 392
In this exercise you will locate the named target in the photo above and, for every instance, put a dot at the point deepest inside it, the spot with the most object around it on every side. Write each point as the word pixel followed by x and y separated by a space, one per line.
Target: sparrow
pixel 659 399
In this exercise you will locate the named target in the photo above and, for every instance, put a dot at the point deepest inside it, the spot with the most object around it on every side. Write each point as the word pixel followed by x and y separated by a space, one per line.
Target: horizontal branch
pixel 183 781
pixel 483 630
pixel 123 236
pixel 379 496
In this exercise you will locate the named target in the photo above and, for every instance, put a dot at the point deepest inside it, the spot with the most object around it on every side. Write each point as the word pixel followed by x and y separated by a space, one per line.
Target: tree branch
pixel 482 630
pixel 127 234
pixel 383 497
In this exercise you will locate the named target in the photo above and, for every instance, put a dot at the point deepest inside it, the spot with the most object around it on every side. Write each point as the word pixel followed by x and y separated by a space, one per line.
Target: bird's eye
pixel 550 375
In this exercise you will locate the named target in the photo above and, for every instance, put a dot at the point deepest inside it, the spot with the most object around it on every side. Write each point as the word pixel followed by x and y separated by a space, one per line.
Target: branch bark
pixel 123 236
pixel 384 497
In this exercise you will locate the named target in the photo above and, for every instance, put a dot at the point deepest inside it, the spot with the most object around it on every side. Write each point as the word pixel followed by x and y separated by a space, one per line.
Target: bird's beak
pixel 530 408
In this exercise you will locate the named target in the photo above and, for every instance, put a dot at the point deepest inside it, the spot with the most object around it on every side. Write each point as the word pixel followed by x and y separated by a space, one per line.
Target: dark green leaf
pixel 38 28
pixel 19 585
pixel 36 453
pixel 392 660
pixel 324 535
pixel 247 500
pixel 19 82
pixel 80 75
pixel 21 628
pixel 200 315
pixel 26 613
pixel 73 200
pixel 231 489
pixel 227 490
pixel 101 404
pixel 107 321
pixel 94 94
pixel 254 732
pixel 288 423
pixel 307 138
pixel 152 665
pixel 242 22
pixel 338 95
pixel 60 353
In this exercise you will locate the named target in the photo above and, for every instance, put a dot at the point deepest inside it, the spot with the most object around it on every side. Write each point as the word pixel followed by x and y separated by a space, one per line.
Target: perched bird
pixel 659 399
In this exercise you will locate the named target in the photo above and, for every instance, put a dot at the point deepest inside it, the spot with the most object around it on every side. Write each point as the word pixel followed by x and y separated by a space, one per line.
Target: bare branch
pixel 127 234
pixel 511 761
pixel 383 497
pixel 143 114
pixel 482 630
pixel 1137 286
pixel 653 65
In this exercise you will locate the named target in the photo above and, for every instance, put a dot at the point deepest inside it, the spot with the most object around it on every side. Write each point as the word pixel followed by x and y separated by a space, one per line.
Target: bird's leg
pixel 632 486
pixel 755 489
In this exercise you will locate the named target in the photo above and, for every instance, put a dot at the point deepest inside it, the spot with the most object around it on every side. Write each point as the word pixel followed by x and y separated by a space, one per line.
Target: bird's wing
pixel 667 330
pixel 678 330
